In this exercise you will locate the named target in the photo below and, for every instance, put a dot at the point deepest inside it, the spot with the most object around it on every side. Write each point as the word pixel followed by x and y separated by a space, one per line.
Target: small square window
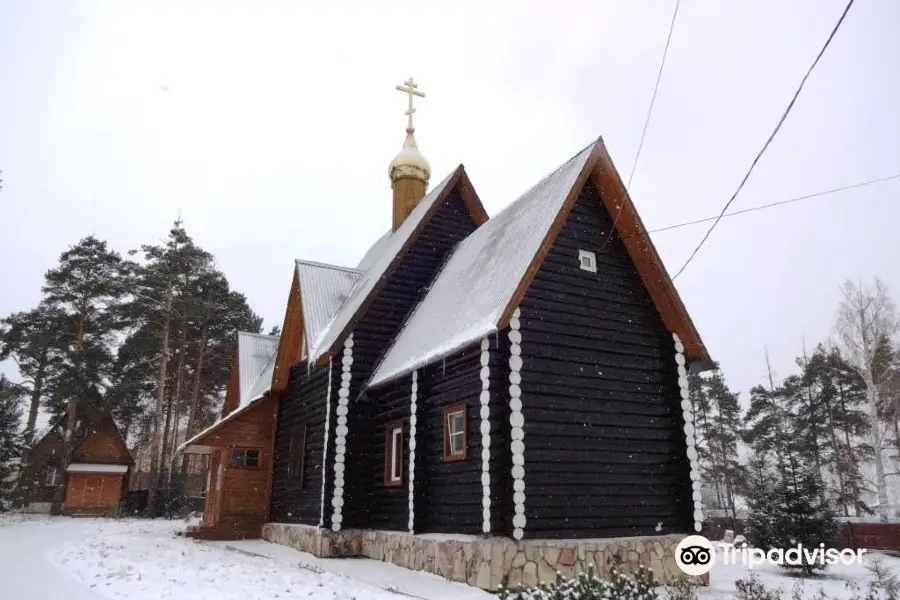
pixel 247 458
pixel 587 261
pixel 455 432
pixel 393 455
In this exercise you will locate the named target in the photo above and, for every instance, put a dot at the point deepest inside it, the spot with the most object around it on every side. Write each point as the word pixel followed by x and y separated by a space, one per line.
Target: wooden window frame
pixel 298 471
pixel 452 410
pixel 232 462
pixel 389 453
pixel 51 481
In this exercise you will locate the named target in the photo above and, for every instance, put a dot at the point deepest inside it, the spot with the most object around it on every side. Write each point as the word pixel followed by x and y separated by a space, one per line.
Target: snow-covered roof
pixel 469 295
pixel 255 351
pixel 374 251
pixel 95 468
pixel 392 246
pixel 256 363
pixel 323 289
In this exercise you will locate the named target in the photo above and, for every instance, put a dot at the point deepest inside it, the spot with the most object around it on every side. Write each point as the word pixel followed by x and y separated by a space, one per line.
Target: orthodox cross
pixel 411 88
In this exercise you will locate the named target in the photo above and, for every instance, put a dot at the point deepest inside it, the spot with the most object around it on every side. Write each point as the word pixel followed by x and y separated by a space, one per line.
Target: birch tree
pixel 866 315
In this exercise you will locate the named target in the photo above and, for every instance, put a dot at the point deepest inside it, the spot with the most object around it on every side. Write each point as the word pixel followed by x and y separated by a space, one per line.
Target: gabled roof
pixel 487 275
pixel 255 352
pixel 256 355
pixel 387 252
pixel 323 289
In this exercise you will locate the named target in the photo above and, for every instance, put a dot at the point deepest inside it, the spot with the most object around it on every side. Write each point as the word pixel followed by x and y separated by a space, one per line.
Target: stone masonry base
pixel 486 563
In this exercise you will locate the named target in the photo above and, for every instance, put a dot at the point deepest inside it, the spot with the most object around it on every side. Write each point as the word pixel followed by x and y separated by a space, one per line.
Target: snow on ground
pixel 58 558
pixel 833 581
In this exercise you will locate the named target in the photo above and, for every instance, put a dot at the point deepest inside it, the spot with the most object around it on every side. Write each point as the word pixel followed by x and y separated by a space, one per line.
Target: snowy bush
pixel 588 586
pixel 786 510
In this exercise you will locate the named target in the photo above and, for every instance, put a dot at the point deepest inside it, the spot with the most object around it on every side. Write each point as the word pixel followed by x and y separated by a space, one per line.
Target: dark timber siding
pixel 302 402
pixel 367 503
pixel 604 446
pixel 448 493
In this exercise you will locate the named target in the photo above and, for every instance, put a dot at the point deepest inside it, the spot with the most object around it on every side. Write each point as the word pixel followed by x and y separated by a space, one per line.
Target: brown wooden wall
pixel 93 493
pixel 244 491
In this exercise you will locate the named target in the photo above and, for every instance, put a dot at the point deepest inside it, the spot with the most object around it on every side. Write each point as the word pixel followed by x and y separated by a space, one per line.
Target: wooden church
pixel 517 384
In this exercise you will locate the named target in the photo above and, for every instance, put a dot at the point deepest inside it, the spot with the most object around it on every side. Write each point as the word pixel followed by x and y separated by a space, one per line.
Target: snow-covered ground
pixel 44 558
pixel 59 558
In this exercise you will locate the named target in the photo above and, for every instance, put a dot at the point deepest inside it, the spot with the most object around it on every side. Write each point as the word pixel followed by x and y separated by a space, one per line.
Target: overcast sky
pixel 270 126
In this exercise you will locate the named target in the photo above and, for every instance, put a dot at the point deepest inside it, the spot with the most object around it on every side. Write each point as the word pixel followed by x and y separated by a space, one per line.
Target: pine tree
pixel 717 421
pixel 11 443
pixel 173 364
pixel 786 511
pixel 726 469
pixel 32 340
pixel 84 291
pixel 832 426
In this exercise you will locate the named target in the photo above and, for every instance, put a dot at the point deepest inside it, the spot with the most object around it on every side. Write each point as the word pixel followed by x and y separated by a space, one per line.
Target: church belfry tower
pixel 409 171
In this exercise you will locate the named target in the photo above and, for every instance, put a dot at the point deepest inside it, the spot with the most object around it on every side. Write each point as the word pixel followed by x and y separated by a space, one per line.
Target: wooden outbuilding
pixel 96 475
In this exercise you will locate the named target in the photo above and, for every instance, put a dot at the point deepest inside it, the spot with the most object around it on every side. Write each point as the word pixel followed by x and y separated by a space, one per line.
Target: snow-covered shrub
pixel 786 510
pixel 682 589
pixel 588 586
pixel 753 589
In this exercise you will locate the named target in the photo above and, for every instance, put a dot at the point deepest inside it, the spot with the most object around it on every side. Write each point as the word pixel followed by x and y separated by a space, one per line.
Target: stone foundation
pixel 485 562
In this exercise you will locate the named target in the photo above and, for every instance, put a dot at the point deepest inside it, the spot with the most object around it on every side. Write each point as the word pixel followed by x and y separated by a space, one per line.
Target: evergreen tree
pixel 173 364
pixel 725 468
pixel 84 290
pixel 786 511
pixel 717 423
pixel 11 442
pixel 32 340
pixel 832 426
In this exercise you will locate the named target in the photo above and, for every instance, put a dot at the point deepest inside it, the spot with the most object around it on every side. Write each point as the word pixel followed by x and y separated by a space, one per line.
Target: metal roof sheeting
pixel 323 289
pixel 255 351
pixel 469 295
pixel 379 265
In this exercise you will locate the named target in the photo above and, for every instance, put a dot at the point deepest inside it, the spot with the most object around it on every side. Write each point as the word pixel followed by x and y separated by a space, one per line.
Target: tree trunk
pixel 59 494
pixel 880 481
pixel 166 439
pixel 179 385
pixel 36 392
pixel 195 392
pixel 153 485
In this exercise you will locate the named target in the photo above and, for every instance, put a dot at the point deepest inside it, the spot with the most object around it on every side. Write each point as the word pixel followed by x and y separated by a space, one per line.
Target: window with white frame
pixel 455 432
pixel 393 454
pixel 51 477
pixel 587 261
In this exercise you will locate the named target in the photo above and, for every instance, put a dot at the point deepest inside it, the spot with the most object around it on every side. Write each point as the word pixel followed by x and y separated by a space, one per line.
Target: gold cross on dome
pixel 410 87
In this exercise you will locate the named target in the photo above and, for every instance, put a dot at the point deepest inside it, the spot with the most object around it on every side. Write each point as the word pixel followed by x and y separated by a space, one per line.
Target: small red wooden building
pixel 95 476
pixel 240 445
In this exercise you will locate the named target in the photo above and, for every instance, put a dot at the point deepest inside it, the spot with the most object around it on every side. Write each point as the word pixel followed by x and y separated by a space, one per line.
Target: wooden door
pixel 93 491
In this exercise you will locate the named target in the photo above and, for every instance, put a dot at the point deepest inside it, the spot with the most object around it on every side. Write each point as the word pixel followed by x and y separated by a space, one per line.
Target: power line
pixel 637 156
pixel 774 204
pixel 768 141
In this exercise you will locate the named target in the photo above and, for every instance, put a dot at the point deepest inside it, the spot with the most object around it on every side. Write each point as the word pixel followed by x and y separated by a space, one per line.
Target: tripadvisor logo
pixel 694 555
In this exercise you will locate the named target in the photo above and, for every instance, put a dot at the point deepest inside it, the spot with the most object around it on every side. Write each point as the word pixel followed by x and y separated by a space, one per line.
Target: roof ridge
pixel 262 335
pixel 327 266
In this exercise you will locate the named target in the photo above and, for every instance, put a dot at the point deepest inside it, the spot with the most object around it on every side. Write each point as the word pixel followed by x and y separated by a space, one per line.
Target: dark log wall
pixel 448 493
pixel 372 336
pixel 605 453
pixel 303 402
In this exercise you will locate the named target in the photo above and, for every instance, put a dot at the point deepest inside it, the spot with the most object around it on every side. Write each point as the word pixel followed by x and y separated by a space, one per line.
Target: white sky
pixel 281 118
